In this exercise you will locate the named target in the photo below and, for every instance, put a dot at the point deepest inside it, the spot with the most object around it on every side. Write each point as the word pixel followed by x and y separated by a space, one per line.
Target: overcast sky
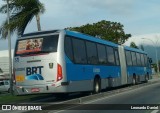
pixel 138 16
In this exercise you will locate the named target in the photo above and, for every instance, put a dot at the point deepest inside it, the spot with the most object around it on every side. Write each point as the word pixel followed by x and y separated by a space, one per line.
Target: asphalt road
pixel 147 94
pixel 144 95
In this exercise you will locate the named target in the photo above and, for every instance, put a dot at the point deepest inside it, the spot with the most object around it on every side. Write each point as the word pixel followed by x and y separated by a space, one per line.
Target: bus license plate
pixel 35 90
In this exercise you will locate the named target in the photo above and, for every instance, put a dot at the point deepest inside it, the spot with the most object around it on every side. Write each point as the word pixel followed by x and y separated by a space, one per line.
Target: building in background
pixel 4 64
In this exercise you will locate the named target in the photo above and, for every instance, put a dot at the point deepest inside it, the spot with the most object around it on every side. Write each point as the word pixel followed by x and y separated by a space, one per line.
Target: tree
pixel 21 13
pixel 112 31
pixel 133 45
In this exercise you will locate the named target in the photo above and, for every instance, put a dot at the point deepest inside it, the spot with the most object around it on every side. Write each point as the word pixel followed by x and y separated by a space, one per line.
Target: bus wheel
pixel 97 85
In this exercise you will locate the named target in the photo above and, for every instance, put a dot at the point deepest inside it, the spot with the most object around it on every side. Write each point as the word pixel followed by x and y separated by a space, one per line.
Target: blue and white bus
pixel 62 61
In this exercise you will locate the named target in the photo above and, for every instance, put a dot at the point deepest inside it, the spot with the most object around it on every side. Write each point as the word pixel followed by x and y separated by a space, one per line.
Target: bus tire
pixel 97 85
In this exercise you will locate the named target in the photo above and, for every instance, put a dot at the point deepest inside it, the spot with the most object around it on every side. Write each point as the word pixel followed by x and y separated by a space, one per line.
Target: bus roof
pixel 40 33
pixel 71 33
pixel 82 36
pixel 134 49
pixel 90 38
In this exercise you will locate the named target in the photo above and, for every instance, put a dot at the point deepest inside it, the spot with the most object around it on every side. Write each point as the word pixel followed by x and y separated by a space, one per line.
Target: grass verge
pixel 8 98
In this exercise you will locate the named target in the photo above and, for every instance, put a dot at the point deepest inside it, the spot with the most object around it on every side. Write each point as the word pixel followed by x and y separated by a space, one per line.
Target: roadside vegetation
pixel 21 14
pixel 9 98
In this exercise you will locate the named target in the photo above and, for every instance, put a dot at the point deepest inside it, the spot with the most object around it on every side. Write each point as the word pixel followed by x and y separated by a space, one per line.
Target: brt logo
pixel 34 70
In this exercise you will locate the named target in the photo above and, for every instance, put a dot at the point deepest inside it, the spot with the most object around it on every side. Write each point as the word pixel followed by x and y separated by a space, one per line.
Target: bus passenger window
pixel 79 51
pixel 128 58
pixel 68 48
pixel 134 59
pixel 91 53
pixel 117 57
pixel 102 54
pixel 110 56
pixel 145 60
pixel 138 59
pixel 142 60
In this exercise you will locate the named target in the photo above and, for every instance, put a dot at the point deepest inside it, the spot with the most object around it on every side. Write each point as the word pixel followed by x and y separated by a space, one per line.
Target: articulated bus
pixel 63 61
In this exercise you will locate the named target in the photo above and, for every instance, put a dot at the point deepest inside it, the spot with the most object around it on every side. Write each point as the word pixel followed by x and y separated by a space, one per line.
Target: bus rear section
pixel 36 68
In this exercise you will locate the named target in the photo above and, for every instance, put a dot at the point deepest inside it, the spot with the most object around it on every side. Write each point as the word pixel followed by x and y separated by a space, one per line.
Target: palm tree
pixel 22 12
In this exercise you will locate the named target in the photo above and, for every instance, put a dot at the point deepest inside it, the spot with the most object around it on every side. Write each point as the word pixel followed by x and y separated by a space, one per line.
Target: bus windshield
pixel 45 44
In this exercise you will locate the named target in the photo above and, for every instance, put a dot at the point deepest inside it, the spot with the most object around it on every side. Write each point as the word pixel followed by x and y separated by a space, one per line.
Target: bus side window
pixel 138 59
pixel 142 60
pixel 110 56
pixel 134 59
pixel 79 51
pixel 128 58
pixel 145 60
pixel 91 53
pixel 68 48
pixel 117 57
pixel 102 57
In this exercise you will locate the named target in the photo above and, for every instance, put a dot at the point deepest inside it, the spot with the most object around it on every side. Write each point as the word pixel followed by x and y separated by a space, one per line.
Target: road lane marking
pixel 155 111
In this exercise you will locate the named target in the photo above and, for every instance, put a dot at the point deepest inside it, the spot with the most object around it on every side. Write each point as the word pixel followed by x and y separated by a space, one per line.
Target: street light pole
pixel 9 49
pixel 157 63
